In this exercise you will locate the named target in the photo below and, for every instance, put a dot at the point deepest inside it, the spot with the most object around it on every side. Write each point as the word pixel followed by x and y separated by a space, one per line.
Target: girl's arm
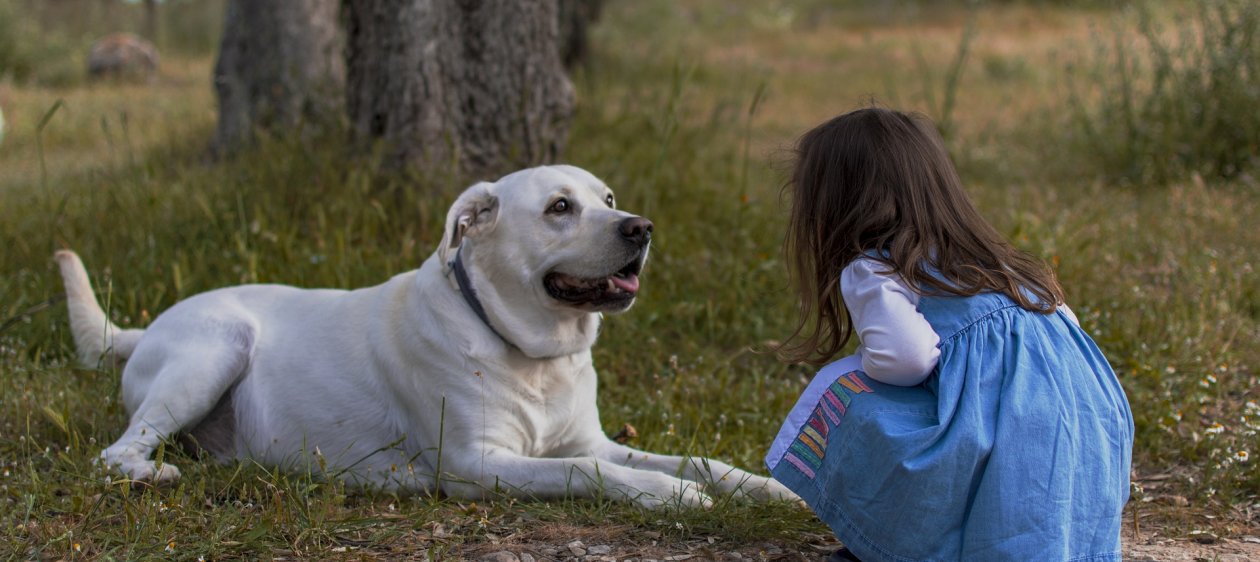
pixel 898 345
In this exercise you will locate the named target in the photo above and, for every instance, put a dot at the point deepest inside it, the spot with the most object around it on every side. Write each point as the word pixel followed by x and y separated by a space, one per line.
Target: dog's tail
pixel 95 337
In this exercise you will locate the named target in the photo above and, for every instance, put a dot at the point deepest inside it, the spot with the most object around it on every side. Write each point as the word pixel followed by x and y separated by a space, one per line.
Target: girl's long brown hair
pixel 878 181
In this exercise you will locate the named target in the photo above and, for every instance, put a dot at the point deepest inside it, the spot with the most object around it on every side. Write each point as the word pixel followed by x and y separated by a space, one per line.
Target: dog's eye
pixel 561 206
pixel 609 200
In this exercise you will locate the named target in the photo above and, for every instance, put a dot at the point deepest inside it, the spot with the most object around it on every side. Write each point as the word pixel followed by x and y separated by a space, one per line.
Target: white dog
pixel 470 375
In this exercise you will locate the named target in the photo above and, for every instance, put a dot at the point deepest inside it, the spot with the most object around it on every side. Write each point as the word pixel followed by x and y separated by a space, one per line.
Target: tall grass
pixel 944 111
pixel 29 53
pixel 1178 98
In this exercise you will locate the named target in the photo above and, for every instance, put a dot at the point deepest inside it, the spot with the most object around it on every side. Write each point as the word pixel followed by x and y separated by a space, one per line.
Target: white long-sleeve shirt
pixel 897 344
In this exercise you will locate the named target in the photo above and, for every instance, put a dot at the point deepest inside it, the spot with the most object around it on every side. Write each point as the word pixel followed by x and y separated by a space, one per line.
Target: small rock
pixel 124 55
pixel 549 552
pixel 577 548
pixel 680 557
pixel 527 557
pixel 1202 537
pixel 1251 539
pixel 1171 499
pixel 599 549
pixel 501 556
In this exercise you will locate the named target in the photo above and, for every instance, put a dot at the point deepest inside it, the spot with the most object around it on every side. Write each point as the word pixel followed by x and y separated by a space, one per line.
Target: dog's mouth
pixel 612 292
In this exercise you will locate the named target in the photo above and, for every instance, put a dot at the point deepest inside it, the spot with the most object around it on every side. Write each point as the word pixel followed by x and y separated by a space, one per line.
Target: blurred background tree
pixel 576 18
pixel 474 86
pixel 279 65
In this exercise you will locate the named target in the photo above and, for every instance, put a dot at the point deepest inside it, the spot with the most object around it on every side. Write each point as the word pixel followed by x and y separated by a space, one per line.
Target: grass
pixel 1179 99
pixel 684 112
pixel 47 43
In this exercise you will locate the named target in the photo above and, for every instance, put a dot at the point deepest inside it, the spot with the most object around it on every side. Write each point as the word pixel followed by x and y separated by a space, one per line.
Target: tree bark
pixel 576 17
pixel 151 20
pixel 280 64
pixel 465 86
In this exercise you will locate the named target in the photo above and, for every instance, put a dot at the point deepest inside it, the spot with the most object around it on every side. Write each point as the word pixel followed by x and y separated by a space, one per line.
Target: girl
pixel 976 421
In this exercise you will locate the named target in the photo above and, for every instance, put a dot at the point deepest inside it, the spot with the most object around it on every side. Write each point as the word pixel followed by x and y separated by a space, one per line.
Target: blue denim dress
pixel 1016 447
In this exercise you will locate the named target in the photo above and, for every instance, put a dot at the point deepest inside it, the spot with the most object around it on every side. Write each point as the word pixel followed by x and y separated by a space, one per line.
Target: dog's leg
pixel 474 476
pixel 718 475
pixel 187 384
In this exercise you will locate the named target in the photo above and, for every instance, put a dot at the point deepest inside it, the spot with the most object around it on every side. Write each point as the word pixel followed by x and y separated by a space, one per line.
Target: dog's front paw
pixel 142 470
pixel 689 495
pixel 674 492
pixel 760 488
pixel 164 475
pixel 772 490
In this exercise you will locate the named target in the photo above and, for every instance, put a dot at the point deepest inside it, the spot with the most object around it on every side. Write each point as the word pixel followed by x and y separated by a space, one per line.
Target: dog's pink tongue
pixel 629 283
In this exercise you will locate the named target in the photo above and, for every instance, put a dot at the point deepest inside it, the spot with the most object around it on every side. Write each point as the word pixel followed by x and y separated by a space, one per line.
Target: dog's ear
pixel 473 213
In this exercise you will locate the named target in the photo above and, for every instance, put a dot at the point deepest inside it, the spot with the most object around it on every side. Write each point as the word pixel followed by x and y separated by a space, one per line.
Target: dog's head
pixel 547 241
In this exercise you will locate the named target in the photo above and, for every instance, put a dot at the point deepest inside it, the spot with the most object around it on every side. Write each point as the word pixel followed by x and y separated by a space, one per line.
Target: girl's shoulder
pixel 873 265
pixel 868 265
pixel 863 270
pixel 868 278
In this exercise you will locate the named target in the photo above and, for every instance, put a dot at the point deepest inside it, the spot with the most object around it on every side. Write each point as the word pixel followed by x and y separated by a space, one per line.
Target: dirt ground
pixel 613 544
pixel 1147 547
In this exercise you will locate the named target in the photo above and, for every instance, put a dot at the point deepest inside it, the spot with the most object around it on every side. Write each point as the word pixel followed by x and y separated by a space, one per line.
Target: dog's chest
pixel 546 410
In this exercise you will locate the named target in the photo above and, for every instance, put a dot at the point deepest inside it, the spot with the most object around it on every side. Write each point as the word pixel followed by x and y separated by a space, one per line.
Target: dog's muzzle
pixel 615 291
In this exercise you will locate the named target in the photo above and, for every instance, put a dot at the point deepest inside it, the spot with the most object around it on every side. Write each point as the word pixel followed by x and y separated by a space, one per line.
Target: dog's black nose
pixel 637 230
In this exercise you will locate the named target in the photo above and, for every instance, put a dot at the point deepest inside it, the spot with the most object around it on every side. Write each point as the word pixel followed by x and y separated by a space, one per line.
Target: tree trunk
pixel 464 86
pixel 151 20
pixel 576 17
pixel 280 64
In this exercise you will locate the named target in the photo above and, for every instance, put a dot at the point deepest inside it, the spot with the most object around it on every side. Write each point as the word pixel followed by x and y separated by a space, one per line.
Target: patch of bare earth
pixel 618 543
pixel 585 544
pixel 1153 547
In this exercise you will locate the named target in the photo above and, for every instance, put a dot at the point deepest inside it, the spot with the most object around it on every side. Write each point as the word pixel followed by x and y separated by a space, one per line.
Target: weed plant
pixel 27 54
pixel 1176 99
